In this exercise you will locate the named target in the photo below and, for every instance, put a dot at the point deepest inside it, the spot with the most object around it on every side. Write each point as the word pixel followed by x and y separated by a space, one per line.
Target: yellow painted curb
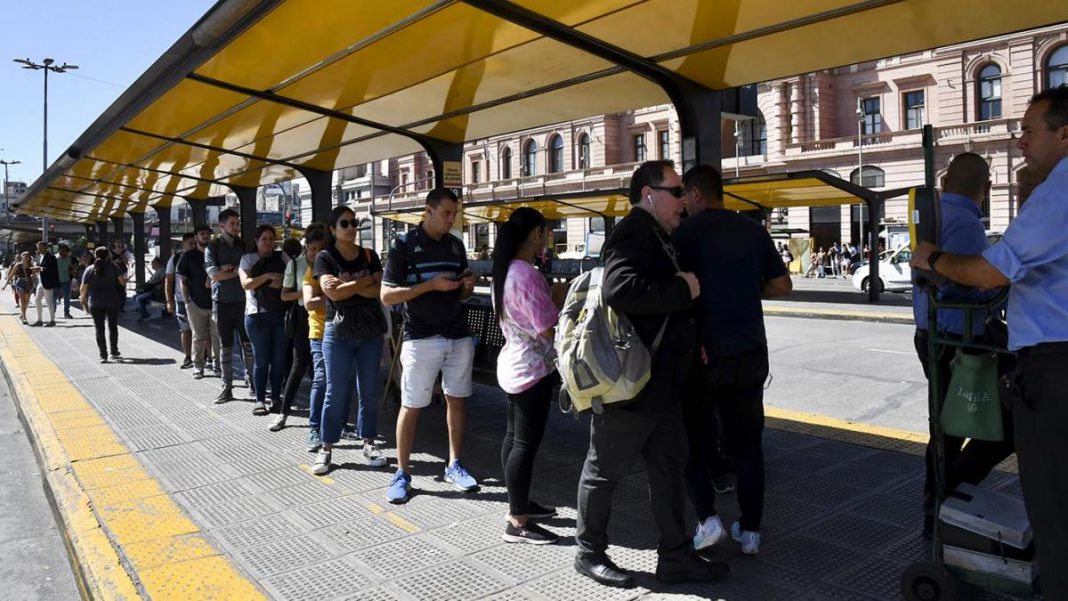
pixel 128 538
pixel 846 431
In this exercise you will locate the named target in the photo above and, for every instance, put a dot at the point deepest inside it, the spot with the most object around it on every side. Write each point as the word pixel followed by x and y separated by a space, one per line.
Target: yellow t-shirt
pixel 316 318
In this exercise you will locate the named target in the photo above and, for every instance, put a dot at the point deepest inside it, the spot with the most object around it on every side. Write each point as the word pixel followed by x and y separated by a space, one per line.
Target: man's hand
pixel 920 254
pixel 469 280
pixel 691 281
pixel 704 355
pixel 170 308
pixel 443 282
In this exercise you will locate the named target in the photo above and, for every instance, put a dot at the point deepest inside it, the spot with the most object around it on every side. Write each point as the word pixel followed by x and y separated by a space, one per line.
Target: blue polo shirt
pixel 962 234
pixel 1033 255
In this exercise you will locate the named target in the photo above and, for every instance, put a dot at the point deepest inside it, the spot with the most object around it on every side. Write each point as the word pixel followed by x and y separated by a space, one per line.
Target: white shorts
pixel 423 359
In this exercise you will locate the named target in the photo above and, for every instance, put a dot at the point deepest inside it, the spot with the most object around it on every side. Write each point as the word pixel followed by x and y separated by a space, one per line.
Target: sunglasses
pixel 347 223
pixel 675 191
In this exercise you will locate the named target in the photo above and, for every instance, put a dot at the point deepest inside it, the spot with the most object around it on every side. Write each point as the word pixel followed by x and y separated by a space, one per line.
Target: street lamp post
pixel 7 199
pixel 46 65
pixel 860 171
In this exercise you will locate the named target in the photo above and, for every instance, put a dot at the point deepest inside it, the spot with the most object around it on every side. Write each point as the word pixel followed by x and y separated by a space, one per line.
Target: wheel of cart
pixel 928 581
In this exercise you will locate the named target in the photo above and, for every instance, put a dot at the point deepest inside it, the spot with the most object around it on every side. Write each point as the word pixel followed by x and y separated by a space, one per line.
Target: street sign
pixel 452 174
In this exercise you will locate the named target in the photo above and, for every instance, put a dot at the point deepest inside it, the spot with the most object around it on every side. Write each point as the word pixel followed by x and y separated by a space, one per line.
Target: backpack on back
pixel 600 358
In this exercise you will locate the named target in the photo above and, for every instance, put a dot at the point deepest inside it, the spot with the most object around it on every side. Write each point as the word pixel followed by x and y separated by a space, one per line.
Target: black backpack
pixel 269 299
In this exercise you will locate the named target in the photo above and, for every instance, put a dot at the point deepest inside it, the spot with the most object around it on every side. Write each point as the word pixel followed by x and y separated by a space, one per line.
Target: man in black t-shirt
pixel 196 290
pixel 737 265
pixel 426 270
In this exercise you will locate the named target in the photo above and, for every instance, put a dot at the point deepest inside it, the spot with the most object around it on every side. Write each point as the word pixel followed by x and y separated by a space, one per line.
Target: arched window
pixel 584 151
pixel 506 163
pixel 556 154
pixel 1057 67
pixel 530 158
pixel 873 177
pixel 989 88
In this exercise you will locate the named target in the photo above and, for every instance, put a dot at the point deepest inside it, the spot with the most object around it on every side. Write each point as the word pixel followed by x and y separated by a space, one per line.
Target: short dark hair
pixel 1056 115
pixel 706 179
pixel 227 214
pixel 967 174
pixel 435 196
pixel 188 236
pixel 202 228
pixel 649 173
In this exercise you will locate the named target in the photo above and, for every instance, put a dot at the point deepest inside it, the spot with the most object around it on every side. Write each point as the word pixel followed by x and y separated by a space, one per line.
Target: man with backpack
pixel 221 260
pixel 643 283
pixel 733 256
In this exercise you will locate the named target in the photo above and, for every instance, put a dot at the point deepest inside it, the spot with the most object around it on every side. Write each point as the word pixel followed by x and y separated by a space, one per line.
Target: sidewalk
pixel 200 501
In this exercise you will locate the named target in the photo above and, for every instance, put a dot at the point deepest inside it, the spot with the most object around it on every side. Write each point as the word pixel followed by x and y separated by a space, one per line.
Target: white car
pixel 895 275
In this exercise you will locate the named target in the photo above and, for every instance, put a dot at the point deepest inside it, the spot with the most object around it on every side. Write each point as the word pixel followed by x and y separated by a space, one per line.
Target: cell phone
pixel 459 276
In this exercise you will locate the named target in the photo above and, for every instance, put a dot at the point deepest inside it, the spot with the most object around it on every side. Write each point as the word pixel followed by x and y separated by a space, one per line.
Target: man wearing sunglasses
pixel 643 282
pixel 737 262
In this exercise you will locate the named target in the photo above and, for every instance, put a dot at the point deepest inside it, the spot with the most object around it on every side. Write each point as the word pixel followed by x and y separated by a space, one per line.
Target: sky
pixel 112 41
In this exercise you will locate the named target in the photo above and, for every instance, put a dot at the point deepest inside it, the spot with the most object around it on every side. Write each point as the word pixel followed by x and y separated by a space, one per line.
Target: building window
pixel 873 121
pixel 476 171
pixel 873 177
pixel 361 170
pixel 556 154
pixel 989 92
pixel 584 151
pixel 597 224
pixel 366 233
pixel 755 136
pixel 663 145
pixel 530 159
pixel 639 148
pixel 482 237
pixel 1057 68
pixel 914 110
pixel 506 163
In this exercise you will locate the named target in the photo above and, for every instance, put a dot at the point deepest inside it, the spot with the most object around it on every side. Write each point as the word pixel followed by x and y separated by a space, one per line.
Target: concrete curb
pixel 839 314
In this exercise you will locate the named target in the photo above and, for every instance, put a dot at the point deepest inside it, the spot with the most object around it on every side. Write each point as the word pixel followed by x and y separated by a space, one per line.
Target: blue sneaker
pixel 458 476
pixel 399 488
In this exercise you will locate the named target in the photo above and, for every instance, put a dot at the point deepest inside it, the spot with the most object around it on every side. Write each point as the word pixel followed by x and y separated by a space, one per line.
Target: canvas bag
pixel 972 407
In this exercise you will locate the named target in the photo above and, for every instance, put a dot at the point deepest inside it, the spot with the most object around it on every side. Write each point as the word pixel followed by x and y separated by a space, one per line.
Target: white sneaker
pixel 372 455
pixel 709 532
pixel 750 540
pixel 277 423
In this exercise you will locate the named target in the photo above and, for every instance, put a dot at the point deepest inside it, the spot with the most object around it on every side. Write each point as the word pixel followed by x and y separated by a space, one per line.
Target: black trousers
pixel 230 319
pixel 527 413
pixel 1040 404
pixel 730 391
pixel 298 366
pixel 617 439
pixel 971 462
pixel 111 314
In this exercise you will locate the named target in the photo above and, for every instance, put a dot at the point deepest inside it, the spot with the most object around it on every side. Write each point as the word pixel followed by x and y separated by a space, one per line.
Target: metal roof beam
pixel 209 148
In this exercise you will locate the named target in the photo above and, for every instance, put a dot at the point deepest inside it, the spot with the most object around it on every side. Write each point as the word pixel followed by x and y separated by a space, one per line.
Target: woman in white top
pixel 261 277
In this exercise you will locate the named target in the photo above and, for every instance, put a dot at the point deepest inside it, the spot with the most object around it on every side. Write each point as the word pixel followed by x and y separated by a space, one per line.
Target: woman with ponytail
pixel 525 367
pixel 101 283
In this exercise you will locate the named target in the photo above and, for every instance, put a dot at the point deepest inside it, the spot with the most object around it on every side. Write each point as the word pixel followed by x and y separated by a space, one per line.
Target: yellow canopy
pixel 259 90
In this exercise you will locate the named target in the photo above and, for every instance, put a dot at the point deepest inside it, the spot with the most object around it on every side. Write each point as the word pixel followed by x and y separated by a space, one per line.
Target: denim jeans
pixel 345 359
pixel 269 348
pixel 64 291
pixel 318 388
pixel 143 299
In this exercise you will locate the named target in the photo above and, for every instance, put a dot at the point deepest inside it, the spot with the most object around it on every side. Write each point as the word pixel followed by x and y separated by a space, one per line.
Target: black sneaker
pixel 225 396
pixel 116 355
pixel 50 324
pixel 186 364
pixel 531 533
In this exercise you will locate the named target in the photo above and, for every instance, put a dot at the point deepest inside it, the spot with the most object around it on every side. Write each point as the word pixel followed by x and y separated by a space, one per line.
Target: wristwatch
pixel 933 258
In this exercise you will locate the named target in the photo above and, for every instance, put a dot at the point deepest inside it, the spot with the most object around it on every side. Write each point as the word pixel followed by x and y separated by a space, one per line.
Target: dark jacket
pixel 49 271
pixel 640 283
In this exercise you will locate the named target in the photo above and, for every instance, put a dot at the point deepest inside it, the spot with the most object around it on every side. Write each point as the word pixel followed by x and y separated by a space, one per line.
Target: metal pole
pixel 737 148
pixel 44 154
pixel 860 175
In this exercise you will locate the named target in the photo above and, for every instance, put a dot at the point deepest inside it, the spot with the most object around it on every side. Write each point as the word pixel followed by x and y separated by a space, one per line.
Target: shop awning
pixel 259 91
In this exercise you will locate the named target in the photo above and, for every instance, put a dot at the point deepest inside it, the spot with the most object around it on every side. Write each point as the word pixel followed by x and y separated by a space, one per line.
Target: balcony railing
pixel 976 132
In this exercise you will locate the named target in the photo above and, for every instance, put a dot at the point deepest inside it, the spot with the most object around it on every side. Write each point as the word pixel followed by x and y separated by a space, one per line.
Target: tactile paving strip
pixel 282 556
pixel 428 512
pixel 334 511
pixel 472 535
pixel 519 562
pixel 320 581
pixel 454 580
pixel 361 534
pixel 798 462
pixel 258 531
pixel 187 480
pixel 301 494
pixel 405 556
pixel 860 533
pixel 269 480
pixel 234 511
pixel 889 509
pixel 829 493
pixel 862 475
pixel 376 594
pixel 876 577
pixel 568 585
pixel 807 555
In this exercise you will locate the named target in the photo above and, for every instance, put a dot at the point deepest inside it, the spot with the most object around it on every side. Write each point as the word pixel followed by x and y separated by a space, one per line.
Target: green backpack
pixel 600 358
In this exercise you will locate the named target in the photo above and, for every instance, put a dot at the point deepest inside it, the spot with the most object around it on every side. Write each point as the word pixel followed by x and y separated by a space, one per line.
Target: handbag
pixel 972 407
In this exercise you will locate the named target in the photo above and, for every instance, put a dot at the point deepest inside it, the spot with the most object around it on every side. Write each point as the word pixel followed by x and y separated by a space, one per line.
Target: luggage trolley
pixel 980 536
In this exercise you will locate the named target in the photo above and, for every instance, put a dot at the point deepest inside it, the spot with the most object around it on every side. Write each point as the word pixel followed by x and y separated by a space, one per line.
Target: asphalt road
pixel 851 370
pixel 35 565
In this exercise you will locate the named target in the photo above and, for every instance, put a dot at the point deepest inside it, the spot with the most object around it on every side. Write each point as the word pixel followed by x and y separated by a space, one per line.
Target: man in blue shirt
pixel 965 185
pixel 1033 257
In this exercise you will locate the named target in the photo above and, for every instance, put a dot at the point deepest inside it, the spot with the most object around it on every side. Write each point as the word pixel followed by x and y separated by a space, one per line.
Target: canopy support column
pixel 441 154
pixel 699 111
pixel 246 202
pixel 164 215
pixel 101 233
pixel 139 249
pixel 199 208
pixel 319 183
pixel 118 226
pixel 90 236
